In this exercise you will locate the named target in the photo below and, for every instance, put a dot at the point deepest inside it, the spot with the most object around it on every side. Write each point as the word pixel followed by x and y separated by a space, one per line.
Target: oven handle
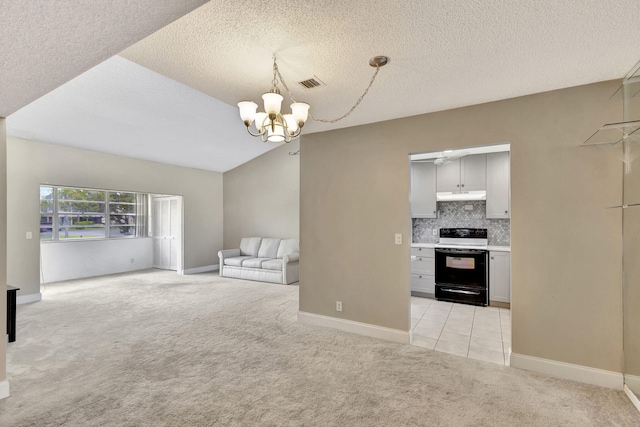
pixel 460 252
pixel 457 291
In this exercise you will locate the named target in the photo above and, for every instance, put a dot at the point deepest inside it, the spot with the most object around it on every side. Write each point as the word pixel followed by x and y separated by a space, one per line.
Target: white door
pixel 166 232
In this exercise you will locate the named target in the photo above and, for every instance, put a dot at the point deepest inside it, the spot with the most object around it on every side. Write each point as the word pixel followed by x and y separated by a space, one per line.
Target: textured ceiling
pixel 45 43
pixel 444 54
pixel 122 108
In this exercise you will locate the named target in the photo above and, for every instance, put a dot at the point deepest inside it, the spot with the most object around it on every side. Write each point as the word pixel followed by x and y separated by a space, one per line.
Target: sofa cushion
pixel 254 262
pixel 268 248
pixel 272 264
pixel 249 246
pixel 236 260
pixel 288 246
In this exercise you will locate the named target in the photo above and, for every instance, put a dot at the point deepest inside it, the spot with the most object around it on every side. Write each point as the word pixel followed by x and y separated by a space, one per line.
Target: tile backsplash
pixel 453 215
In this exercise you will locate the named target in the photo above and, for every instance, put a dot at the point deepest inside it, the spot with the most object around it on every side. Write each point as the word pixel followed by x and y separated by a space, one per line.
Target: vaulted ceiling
pixel 192 72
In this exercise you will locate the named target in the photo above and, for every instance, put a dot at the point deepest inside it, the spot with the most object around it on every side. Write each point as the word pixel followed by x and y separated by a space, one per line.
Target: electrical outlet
pixel 29 235
pixel 468 207
pixel 338 305
pixel 435 231
pixel 398 239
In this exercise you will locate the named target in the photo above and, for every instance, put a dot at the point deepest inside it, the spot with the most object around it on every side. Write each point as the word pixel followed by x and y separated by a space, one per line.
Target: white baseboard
pixel 568 371
pixel 4 389
pixel 632 397
pixel 633 381
pixel 26 299
pixel 366 329
pixel 204 269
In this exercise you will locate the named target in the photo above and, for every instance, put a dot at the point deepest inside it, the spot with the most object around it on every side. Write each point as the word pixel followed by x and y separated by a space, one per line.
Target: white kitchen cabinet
pixel 423 190
pixel 500 276
pixel 498 182
pixel 448 176
pixel 465 174
pixel 423 271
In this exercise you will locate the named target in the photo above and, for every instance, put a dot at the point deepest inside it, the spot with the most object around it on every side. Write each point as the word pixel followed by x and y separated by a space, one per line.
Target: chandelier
pixel 273 126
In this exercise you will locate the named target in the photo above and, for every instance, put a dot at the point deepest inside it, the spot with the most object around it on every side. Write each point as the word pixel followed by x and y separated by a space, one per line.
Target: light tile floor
pixel 482 333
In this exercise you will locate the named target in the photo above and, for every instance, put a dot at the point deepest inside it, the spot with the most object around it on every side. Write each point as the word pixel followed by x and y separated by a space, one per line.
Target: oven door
pixel 465 267
pixel 461 276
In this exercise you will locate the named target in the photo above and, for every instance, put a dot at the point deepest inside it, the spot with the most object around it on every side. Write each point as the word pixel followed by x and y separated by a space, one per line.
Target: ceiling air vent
pixel 311 83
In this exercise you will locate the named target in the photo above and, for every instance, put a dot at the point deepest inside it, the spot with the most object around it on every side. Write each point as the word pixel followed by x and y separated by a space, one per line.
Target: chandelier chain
pixel 311 116
pixel 274 82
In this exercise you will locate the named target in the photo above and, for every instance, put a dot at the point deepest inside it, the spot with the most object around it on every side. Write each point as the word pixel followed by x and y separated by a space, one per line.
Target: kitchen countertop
pixel 491 248
pixel 499 248
pixel 423 245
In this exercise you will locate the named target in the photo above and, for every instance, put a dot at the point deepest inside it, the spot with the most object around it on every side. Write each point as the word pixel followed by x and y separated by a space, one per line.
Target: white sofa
pixel 262 259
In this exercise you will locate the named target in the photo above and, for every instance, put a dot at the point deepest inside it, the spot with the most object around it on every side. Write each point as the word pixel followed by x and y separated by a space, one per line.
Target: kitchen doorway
pixel 453 192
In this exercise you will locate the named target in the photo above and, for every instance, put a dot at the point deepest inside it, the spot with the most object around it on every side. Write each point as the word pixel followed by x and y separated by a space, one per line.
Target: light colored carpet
pixel 156 349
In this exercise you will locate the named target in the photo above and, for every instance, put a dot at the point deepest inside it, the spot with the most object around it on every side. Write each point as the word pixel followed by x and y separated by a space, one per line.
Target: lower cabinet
pixel 423 271
pixel 500 276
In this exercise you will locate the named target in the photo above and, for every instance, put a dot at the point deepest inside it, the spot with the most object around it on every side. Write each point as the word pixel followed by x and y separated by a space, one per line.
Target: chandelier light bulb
pixel 260 121
pixel 290 121
pixel 247 111
pixel 300 111
pixel 272 102
pixel 275 133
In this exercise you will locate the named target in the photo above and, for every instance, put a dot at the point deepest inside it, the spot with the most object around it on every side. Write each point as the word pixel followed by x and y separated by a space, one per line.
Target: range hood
pixel 447 196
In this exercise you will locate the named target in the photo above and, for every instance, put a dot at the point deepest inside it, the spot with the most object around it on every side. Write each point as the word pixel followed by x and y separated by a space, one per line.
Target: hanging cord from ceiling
pixel 376 61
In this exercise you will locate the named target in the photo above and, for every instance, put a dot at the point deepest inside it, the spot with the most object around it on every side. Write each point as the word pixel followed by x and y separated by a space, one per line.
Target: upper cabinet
pixel 423 190
pixel 465 174
pixel 498 179
pixel 449 176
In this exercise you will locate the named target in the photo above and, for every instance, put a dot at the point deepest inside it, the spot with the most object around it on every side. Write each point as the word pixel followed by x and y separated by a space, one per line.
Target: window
pixel 122 214
pixel 68 213
pixel 81 213
pixel 46 213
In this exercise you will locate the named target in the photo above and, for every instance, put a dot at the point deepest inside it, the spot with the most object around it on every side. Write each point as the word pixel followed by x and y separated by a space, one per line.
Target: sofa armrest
pixel 227 253
pixel 290 268
pixel 291 258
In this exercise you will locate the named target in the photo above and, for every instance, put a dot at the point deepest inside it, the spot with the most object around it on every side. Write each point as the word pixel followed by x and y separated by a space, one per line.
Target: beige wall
pixel 3 247
pixel 31 164
pixel 262 197
pixel 566 247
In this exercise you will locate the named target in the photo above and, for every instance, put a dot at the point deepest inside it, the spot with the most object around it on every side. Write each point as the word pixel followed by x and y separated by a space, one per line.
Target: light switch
pixel 398 239
pixel 435 231
pixel 29 235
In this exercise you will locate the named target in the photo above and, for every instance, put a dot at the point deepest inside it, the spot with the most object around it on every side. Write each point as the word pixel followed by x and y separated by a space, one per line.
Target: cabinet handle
pixel 492 258
pixel 506 211
pixel 420 277
pixel 463 185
